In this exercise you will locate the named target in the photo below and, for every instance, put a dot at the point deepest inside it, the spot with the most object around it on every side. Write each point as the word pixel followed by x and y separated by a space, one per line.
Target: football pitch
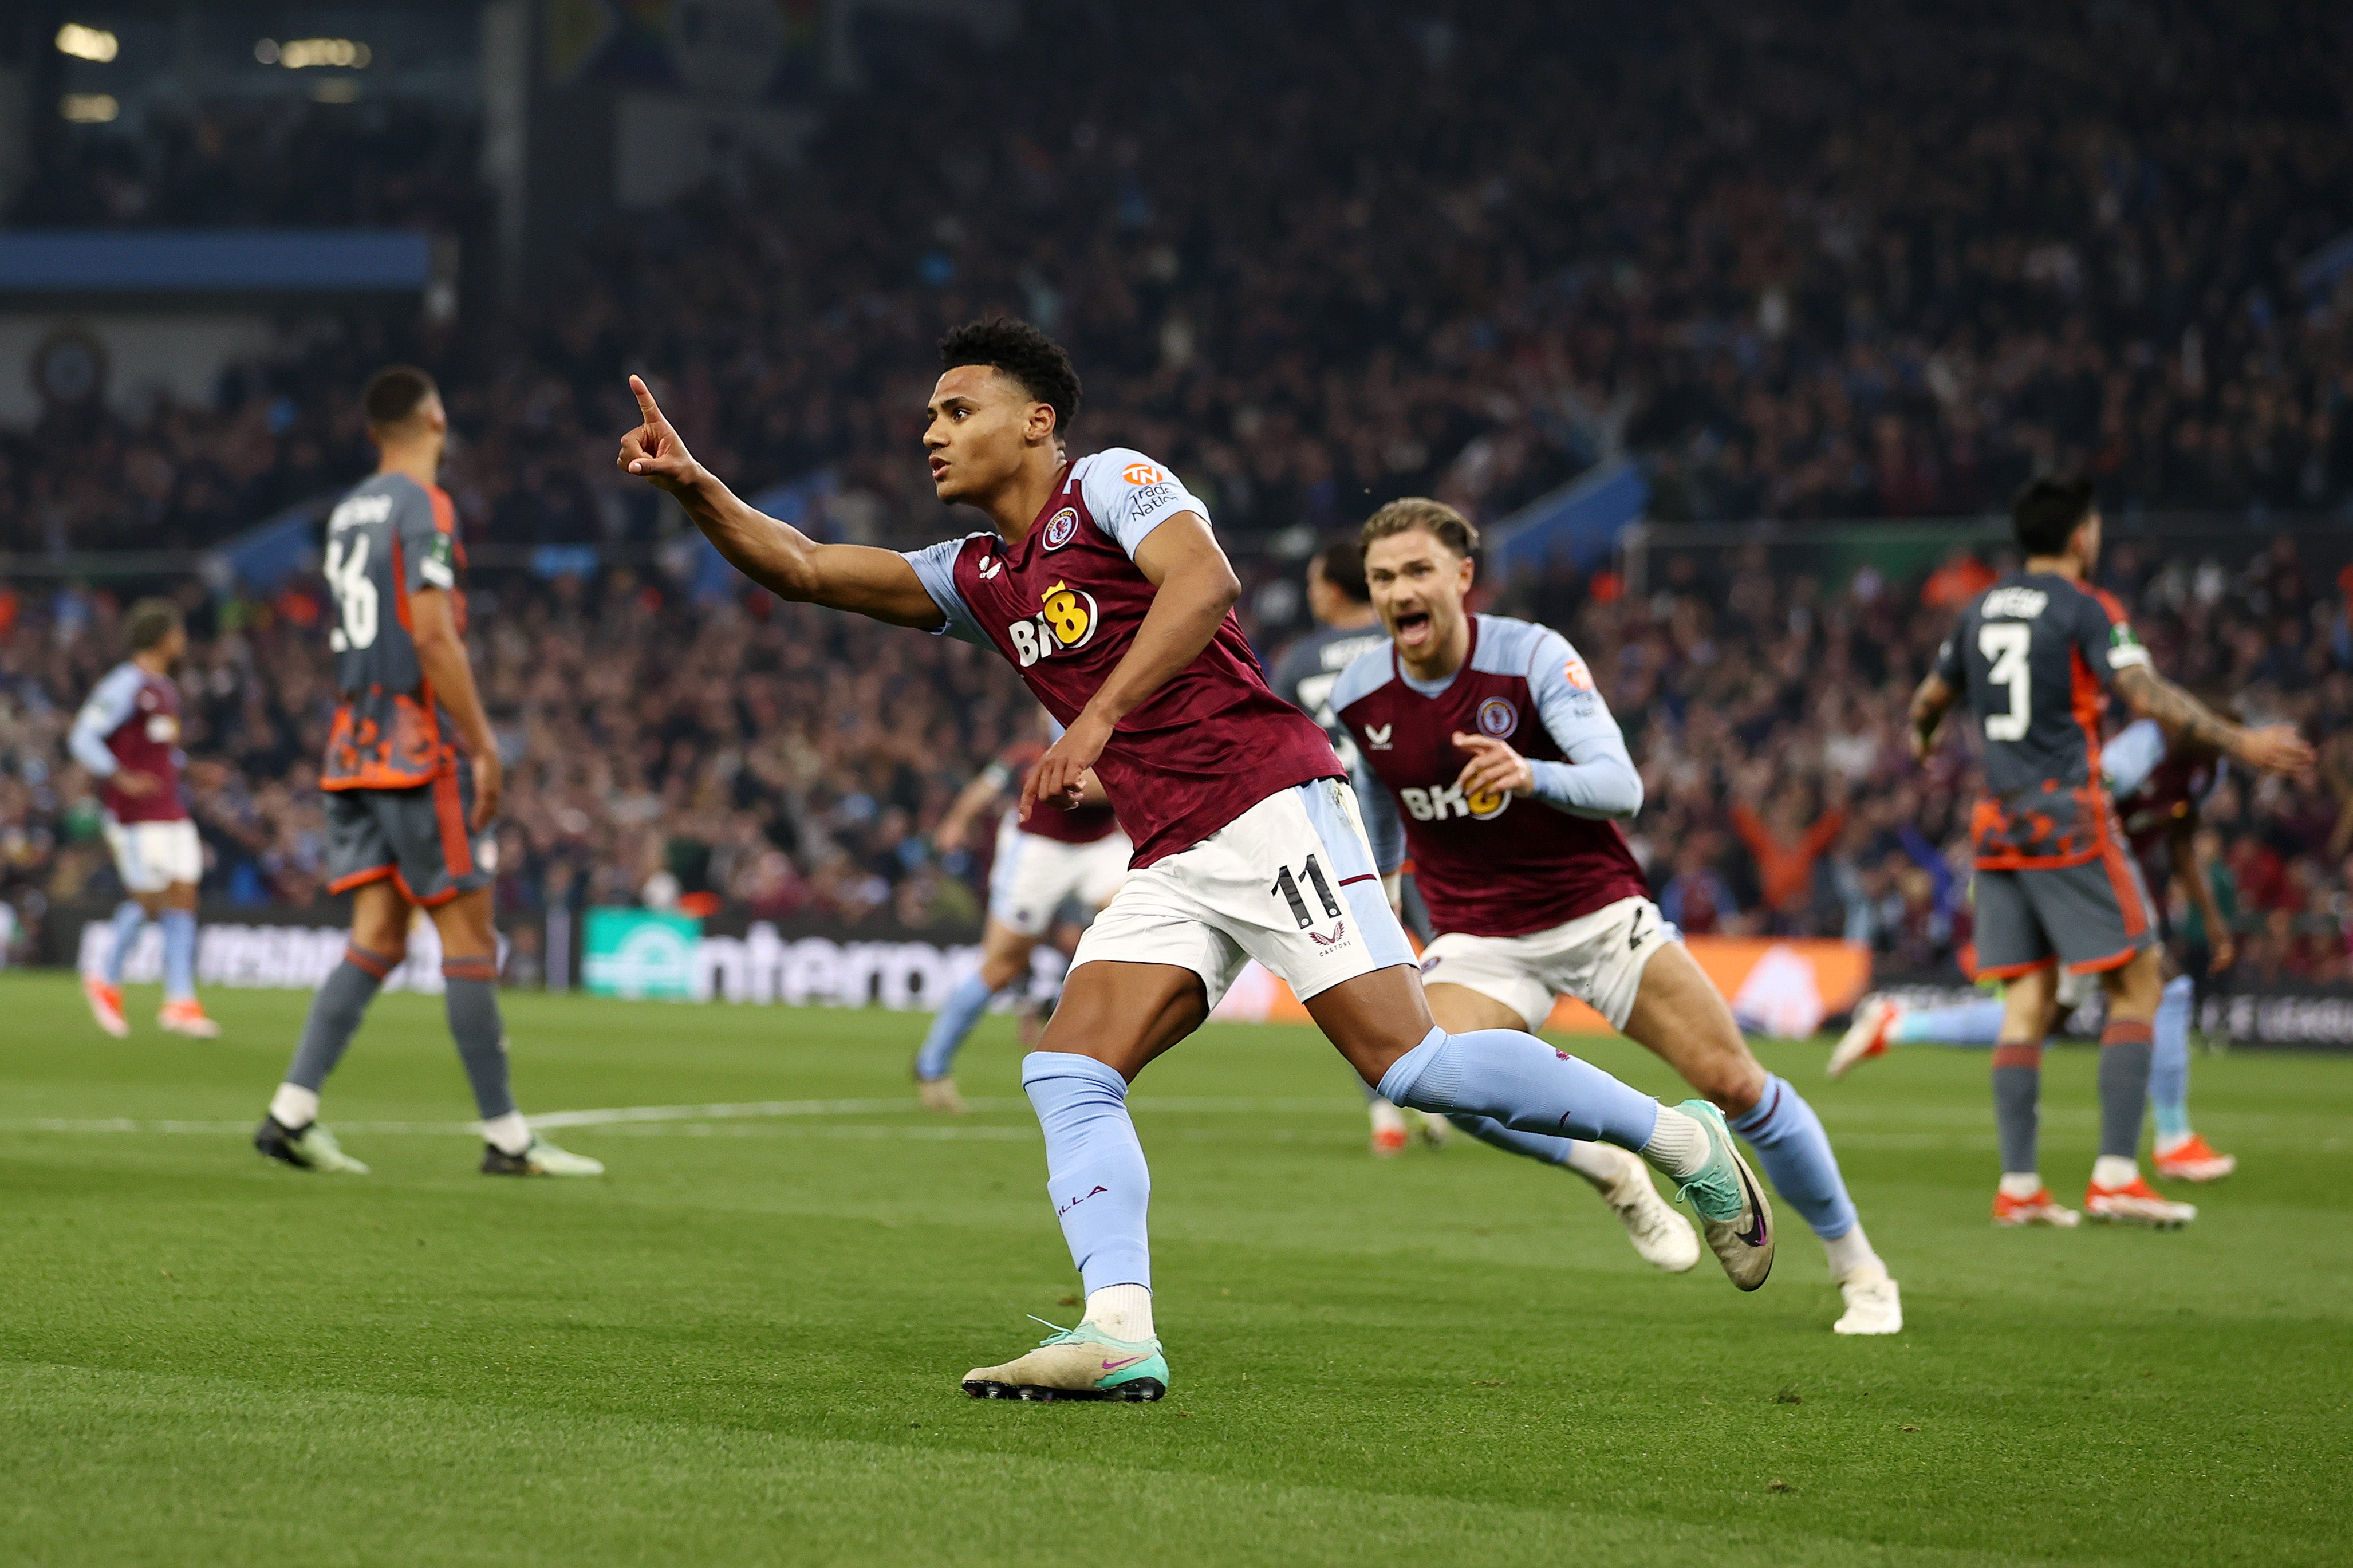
pixel 743 1345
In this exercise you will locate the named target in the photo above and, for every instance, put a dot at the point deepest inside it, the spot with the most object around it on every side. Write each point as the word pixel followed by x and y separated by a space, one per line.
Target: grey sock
pixel 2018 1114
pixel 335 1013
pixel 475 1026
pixel 2123 1089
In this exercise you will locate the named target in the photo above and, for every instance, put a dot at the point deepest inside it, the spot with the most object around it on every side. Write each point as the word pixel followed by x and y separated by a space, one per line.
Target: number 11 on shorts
pixel 1286 888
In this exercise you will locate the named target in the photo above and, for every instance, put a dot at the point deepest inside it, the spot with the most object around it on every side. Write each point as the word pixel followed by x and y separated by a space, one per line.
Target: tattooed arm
pixel 2274 749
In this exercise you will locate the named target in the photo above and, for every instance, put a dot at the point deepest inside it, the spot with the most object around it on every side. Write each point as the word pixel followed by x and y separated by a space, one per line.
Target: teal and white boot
pixel 1083 1363
pixel 311 1148
pixel 1730 1202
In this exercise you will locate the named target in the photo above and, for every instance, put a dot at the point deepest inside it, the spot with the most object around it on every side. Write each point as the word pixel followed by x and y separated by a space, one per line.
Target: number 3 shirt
pixel 2033 657
pixel 390 538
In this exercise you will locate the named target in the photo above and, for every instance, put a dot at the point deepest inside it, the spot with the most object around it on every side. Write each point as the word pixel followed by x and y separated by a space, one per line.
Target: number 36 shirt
pixel 390 538
pixel 2033 657
pixel 1062 606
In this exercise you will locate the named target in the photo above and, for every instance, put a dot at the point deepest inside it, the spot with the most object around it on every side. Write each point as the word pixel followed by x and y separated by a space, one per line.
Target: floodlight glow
pixel 297 54
pixel 88 108
pixel 87 44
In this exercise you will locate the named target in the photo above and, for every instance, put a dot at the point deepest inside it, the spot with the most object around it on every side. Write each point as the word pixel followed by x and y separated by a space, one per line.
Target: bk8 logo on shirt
pixel 1065 624
pixel 1440 801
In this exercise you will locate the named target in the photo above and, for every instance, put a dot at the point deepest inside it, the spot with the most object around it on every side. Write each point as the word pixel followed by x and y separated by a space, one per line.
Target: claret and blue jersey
pixel 1493 865
pixel 1062 605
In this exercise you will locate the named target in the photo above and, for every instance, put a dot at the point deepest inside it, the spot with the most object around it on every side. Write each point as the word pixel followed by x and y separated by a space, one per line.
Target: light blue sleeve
pixel 1383 827
pixel 1130 495
pixel 109 704
pixel 935 568
pixel 2128 760
pixel 1599 780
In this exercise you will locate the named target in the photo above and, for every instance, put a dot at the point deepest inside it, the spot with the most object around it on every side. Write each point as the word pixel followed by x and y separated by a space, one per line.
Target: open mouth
pixel 1413 628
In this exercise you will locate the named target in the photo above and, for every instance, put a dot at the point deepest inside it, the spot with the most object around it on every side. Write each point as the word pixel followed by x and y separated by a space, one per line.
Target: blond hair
pixel 1437 519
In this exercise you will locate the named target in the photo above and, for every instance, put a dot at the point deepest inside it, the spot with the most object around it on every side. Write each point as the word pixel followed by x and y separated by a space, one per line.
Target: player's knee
pixel 999 970
pixel 1734 1084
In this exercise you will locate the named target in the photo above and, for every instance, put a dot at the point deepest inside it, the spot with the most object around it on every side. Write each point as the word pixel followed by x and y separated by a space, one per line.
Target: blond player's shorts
pixel 1289 883
pixel 1598 959
pixel 1032 874
pixel 151 857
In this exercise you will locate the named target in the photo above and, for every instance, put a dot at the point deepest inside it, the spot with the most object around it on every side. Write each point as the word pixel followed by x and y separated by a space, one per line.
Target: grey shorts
pixel 2090 917
pixel 417 837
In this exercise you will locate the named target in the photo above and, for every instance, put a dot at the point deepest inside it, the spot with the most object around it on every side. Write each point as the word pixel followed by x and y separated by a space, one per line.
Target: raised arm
pixel 2274 749
pixel 1197 586
pixel 776 556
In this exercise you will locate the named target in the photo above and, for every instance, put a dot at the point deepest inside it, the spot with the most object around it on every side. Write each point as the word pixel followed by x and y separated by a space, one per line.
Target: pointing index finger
pixel 646 405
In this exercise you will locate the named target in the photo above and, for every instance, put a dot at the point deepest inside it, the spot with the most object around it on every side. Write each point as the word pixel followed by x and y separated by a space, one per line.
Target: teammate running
pixel 1106 589
pixel 128 737
pixel 2160 782
pixel 412 780
pixel 1460 717
pixel 2033 657
pixel 1346 626
pixel 1057 855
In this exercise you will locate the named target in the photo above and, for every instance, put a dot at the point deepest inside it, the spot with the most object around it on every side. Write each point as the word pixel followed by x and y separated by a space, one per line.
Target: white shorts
pixel 1598 959
pixel 1290 882
pixel 1032 874
pixel 151 857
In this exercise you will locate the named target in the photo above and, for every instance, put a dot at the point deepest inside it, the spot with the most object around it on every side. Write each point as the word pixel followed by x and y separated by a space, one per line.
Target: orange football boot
pixel 2194 1159
pixel 2039 1210
pixel 106 1005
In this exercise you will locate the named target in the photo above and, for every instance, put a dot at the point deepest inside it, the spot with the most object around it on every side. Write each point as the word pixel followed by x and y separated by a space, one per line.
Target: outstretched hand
pixel 653 451
pixel 1061 776
pixel 2277 748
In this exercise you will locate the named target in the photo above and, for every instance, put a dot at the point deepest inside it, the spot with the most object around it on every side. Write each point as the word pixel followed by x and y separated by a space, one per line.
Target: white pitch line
pixel 617 1116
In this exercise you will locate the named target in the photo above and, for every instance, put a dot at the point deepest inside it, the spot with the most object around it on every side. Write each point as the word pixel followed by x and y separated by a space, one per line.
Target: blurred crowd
pixel 1882 263
pixel 1767 708
pixel 788 764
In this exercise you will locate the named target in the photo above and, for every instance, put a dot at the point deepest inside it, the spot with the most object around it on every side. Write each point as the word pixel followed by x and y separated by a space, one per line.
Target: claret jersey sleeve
pixel 1129 495
pixel 109 705
pixel 1600 779
pixel 936 569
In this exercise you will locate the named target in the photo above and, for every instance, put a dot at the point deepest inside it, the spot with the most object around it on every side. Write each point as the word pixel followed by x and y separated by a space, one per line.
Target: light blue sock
pixel 128 920
pixel 1533 1145
pixel 958 1014
pixel 1523 1083
pixel 1094 1167
pixel 2169 1060
pixel 1970 1023
pixel 179 955
pixel 1796 1153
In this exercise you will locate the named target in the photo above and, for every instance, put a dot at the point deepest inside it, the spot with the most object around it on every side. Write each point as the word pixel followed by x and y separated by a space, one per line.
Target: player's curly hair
pixel 1437 519
pixel 2045 513
pixel 1015 348
pixel 148 622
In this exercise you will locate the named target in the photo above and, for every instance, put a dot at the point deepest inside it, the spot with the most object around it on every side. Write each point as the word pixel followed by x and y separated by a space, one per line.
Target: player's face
pixel 174 646
pixel 1418 586
pixel 978 428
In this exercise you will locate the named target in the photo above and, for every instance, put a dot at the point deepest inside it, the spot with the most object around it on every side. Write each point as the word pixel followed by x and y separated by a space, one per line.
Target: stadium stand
pixel 1445 263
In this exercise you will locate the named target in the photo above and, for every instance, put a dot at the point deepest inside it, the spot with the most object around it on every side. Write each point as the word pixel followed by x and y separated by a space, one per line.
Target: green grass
pixel 743 1345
